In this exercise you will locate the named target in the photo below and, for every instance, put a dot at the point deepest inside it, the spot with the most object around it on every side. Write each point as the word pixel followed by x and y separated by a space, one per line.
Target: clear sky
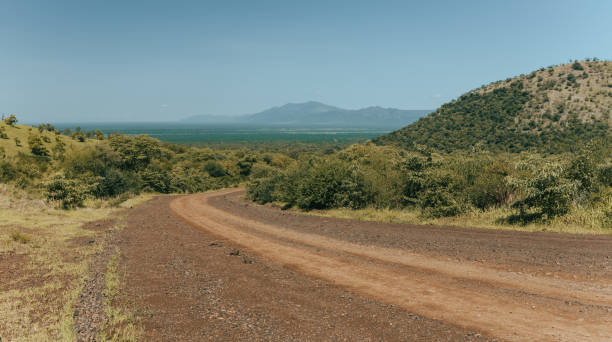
pixel 164 60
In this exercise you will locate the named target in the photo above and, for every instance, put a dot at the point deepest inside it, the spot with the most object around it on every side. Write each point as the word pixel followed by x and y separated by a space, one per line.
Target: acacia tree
pixel 10 120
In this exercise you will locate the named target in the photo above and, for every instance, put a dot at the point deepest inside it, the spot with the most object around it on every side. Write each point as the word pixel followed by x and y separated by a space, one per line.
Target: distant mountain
pixel 552 109
pixel 316 114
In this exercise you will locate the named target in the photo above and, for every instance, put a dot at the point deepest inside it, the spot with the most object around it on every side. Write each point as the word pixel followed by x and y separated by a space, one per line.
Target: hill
pixel 316 114
pixel 14 140
pixel 551 110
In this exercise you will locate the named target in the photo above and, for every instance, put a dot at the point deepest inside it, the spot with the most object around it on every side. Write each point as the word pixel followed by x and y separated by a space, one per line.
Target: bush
pixel 10 120
pixel 262 190
pixel 323 184
pixel 490 188
pixel 135 152
pixel 7 171
pixel 577 66
pixel 214 169
pixel 437 199
pixel 37 146
pixel 549 192
pixel 156 180
pixel 605 175
pixel 437 202
pixel 114 182
pixel 69 192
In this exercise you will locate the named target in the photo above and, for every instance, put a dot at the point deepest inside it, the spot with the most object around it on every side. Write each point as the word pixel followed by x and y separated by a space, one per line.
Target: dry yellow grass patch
pixel 45 254
pixel 578 221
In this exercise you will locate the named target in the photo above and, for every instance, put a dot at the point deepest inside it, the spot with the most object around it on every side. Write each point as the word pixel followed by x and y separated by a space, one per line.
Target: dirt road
pixel 564 293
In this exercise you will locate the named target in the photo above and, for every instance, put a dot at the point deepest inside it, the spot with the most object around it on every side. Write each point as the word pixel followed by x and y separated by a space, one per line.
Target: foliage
pixel 539 187
pixel 552 113
pixel 37 146
pixel 577 66
pixel 548 191
pixel 10 120
pixel 69 192
pixel 214 169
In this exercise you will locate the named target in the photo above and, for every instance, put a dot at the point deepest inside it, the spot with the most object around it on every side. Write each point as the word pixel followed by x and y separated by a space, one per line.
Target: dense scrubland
pixel 569 192
pixel 532 152
pixel 74 168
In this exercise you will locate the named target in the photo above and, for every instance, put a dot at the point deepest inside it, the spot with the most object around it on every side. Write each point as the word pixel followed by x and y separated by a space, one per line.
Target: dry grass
pixel 48 264
pixel 121 325
pixel 22 132
pixel 592 97
pixel 578 221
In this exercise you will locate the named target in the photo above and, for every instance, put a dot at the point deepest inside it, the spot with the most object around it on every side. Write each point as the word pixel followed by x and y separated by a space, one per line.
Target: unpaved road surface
pixel 233 270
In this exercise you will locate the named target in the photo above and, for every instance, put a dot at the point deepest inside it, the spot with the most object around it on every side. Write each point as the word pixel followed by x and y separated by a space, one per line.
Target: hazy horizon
pixel 74 61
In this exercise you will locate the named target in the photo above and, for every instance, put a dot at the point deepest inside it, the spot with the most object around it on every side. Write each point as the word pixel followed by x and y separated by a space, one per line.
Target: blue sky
pixel 164 60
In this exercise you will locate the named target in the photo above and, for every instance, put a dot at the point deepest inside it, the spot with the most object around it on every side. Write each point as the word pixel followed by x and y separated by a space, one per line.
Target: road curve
pixel 507 305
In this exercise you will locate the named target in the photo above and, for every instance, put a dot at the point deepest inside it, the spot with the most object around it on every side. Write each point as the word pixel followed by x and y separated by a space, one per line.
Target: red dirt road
pixel 506 285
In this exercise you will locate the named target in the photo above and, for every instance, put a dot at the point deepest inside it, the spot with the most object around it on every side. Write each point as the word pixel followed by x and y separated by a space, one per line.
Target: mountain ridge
pixel 313 113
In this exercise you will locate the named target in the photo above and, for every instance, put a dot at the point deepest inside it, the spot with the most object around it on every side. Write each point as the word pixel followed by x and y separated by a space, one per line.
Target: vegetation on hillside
pixel 72 166
pixel 530 186
pixel 555 109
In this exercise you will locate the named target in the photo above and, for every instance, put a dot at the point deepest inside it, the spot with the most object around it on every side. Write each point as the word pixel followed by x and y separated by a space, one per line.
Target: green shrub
pixel 10 120
pixel 3 134
pixel 549 192
pixel 490 188
pixel 214 169
pixel 69 192
pixel 156 180
pixel 437 202
pixel 605 175
pixel 113 182
pixel 37 146
pixel 262 190
pixel 438 196
pixel 135 153
pixel 577 66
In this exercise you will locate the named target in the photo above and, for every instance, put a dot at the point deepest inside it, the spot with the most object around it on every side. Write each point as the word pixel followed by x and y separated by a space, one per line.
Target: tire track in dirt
pixel 393 278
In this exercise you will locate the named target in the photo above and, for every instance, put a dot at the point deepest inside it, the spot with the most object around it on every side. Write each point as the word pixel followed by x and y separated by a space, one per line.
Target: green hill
pixel 552 109
pixel 14 139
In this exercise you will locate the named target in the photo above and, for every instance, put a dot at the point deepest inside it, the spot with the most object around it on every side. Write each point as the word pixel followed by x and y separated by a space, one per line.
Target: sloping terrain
pixel 552 109
pixel 14 139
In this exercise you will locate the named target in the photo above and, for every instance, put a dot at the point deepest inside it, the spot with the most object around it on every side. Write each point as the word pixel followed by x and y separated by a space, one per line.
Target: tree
pixel 10 120
pixel 69 192
pixel 214 169
pixel 549 192
pixel 577 66
pixel 37 146
pixel 59 148
pixel 99 135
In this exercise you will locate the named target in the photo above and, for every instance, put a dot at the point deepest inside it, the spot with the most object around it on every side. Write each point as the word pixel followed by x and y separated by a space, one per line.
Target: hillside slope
pixel 552 109
pixel 14 139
